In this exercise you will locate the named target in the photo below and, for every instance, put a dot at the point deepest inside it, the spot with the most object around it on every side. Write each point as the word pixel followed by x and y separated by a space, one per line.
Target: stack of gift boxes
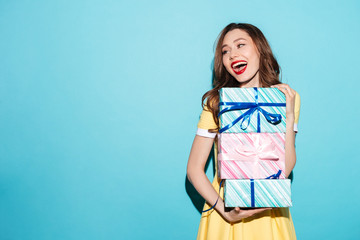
pixel 251 144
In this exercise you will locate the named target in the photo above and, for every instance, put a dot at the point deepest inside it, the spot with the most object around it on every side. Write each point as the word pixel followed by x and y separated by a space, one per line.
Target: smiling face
pixel 241 58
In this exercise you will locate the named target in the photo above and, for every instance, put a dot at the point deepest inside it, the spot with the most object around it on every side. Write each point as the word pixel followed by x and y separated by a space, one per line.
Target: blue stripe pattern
pixel 252 192
pixel 269 193
pixel 239 104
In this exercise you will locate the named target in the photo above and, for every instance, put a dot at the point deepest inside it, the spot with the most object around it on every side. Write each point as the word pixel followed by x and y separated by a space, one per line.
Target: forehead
pixel 234 35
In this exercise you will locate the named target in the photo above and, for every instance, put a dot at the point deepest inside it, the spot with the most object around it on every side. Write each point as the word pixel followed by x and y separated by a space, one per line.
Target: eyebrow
pixel 234 41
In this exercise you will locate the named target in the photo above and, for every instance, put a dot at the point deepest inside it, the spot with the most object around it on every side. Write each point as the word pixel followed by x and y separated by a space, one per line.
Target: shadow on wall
pixel 197 200
pixel 291 176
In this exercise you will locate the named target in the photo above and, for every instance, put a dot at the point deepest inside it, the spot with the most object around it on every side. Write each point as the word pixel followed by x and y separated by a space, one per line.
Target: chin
pixel 243 80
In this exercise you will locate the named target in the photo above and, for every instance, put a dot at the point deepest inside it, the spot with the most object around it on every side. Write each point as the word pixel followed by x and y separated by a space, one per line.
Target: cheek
pixel 223 61
pixel 229 70
pixel 227 67
pixel 226 63
pixel 258 62
pixel 257 59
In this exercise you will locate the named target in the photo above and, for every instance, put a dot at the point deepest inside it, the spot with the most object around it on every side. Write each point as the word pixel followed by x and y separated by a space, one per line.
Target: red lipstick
pixel 238 70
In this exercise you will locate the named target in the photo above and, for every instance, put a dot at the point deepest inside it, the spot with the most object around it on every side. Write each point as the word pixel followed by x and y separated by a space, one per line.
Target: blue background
pixel 99 102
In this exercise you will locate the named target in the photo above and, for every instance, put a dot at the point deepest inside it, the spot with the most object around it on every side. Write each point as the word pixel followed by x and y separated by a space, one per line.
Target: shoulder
pixel 206 119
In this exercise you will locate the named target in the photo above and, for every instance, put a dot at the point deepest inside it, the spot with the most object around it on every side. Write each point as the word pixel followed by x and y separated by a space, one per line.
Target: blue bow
pixel 253 107
pixel 274 176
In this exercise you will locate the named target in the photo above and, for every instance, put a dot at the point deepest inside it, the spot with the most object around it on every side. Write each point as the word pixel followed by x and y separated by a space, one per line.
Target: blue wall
pixel 99 102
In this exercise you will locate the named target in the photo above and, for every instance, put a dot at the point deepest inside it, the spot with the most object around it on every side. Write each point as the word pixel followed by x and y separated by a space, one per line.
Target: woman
pixel 243 58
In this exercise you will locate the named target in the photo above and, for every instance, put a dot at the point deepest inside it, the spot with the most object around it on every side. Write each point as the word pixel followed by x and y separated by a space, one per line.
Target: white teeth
pixel 239 63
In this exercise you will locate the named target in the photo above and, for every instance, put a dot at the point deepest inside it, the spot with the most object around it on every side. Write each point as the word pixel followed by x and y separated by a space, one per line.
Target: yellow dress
pixel 274 224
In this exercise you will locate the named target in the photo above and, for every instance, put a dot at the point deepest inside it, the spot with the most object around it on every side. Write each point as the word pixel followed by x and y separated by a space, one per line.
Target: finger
pixel 288 89
pixel 293 92
pixel 260 209
pixel 276 85
pixel 268 208
pixel 256 211
pixel 280 85
pixel 283 90
pixel 237 209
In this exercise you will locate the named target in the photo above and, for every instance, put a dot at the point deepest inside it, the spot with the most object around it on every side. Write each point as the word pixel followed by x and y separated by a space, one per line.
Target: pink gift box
pixel 251 155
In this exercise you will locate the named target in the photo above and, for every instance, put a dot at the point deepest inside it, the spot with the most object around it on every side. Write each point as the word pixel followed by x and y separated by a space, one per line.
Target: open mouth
pixel 239 67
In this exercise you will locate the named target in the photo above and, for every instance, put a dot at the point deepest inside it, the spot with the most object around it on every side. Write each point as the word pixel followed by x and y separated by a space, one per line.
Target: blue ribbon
pixel 272 118
pixel 216 199
pixel 252 186
pixel 274 176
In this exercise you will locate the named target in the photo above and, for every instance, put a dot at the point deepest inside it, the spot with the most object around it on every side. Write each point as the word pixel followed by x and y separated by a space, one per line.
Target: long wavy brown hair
pixel 269 69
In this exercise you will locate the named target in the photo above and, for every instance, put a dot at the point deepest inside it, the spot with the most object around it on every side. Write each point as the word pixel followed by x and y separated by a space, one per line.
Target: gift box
pixel 251 155
pixel 257 193
pixel 244 110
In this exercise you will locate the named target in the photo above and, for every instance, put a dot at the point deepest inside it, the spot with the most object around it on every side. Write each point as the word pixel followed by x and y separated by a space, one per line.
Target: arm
pixel 195 172
pixel 199 153
pixel 290 153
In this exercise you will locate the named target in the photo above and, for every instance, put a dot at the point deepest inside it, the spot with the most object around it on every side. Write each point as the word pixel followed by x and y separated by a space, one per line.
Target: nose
pixel 233 54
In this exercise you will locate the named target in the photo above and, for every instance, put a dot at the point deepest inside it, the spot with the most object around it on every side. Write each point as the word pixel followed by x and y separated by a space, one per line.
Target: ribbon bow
pixel 263 151
pixel 252 108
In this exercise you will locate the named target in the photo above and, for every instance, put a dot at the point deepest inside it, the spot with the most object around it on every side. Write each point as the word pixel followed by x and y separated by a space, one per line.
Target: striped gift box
pixel 257 193
pixel 252 110
pixel 251 155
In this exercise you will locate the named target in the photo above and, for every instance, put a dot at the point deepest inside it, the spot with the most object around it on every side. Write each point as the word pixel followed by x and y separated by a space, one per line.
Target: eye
pixel 224 52
pixel 240 45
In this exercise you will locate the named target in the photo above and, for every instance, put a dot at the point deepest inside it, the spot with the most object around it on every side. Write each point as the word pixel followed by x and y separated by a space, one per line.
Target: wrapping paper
pixel 264 193
pixel 251 155
pixel 253 115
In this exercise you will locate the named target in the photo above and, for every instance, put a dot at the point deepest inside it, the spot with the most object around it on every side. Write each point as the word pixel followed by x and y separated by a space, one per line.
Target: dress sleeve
pixel 206 122
pixel 297 111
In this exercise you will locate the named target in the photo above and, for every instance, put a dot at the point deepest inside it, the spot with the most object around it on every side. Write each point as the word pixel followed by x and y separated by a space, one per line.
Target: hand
pixel 290 98
pixel 238 214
